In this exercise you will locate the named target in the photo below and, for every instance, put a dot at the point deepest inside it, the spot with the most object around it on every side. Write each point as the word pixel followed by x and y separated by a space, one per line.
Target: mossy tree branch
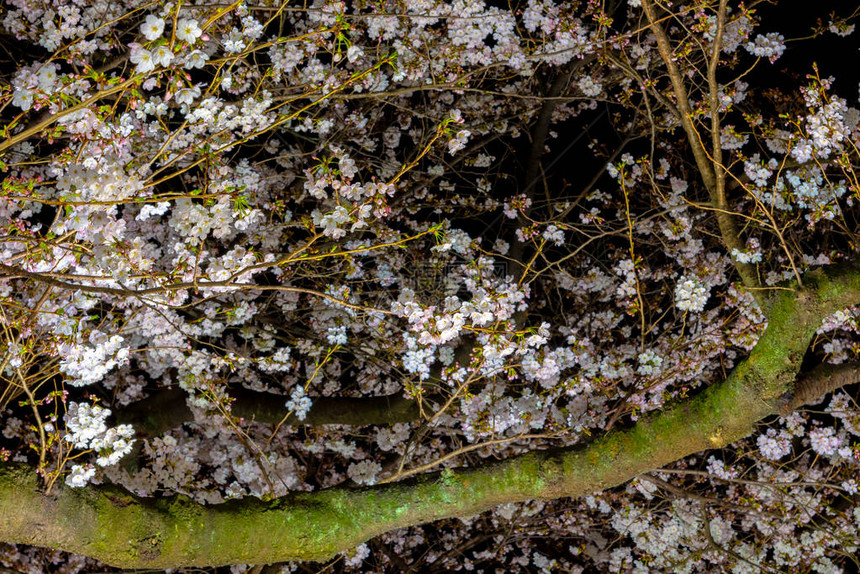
pixel 120 529
pixel 167 408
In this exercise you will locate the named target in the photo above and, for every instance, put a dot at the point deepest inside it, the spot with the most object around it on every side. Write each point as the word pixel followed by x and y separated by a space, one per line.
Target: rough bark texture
pixel 120 529
pixel 819 381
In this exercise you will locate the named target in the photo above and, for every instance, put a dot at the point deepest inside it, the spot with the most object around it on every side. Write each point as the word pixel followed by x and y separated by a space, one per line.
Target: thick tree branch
pixel 711 170
pixel 819 381
pixel 167 409
pixel 540 132
pixel 533 175
pixel 115 527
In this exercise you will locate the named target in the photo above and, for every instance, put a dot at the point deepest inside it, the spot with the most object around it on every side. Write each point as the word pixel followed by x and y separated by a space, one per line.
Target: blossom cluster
pixel 86 428
pixel 691 294
pixel 322 202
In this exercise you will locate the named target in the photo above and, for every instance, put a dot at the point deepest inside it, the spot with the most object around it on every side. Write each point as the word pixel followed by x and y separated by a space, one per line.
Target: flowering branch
pixel 126 531
pixel 710 167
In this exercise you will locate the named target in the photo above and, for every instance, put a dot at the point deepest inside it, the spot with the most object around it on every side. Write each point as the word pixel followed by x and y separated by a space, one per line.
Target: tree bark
pixel 710 168
pixel 819 381
pixel 167 409
pixel 126 531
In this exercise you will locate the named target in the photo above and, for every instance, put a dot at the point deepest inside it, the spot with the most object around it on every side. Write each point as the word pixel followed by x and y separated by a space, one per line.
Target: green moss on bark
pixel 120 529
